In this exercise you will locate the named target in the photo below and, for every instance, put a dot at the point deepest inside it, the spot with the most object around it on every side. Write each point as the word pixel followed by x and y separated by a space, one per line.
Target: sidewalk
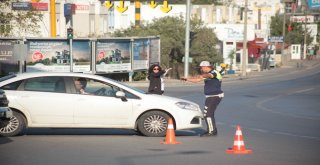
pixel 292 66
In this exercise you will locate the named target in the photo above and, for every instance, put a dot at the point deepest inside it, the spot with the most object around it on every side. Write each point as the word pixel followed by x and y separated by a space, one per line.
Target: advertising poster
pixel 141 49
pixel 314 4
pixel 113 55
pixel 48 55
pixel 81 51
pixel 7 62
pixel 154 56
pixel 54 56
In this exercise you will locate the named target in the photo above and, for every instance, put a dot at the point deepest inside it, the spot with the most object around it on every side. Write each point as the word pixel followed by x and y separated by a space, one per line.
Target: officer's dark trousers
pixel 210 107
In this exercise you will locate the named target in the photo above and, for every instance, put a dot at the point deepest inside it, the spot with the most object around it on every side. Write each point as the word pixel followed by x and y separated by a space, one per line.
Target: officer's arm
pixel 208 75
pixel 198 78
pixel 193 79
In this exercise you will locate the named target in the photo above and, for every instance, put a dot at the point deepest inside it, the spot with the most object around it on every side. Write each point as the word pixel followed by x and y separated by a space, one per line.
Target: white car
pixel 51 100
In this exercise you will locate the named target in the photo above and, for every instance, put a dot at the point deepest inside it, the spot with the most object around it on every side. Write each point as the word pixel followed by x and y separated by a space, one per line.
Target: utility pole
pixel 137 13
pixel 244 53
pixel 305 34
pixel 53 18
pixel 186 55
pixel 283 29
pixel 70 38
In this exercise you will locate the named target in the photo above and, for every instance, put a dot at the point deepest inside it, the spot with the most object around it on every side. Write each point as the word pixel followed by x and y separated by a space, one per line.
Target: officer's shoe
pixel 209 134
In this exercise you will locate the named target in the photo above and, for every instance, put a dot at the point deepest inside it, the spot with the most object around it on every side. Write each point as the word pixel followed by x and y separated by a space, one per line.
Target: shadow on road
pixel 4 140
pixel 95 131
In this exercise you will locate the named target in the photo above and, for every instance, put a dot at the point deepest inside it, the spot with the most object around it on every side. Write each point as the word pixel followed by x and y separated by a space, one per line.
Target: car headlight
pixel 186 105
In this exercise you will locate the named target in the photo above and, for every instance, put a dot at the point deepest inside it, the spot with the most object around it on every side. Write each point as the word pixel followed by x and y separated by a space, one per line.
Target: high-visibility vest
pixel 219 77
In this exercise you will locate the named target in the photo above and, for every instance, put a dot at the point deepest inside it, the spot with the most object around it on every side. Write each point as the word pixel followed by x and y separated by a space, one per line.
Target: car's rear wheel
pixel 153 123
pixel 15 126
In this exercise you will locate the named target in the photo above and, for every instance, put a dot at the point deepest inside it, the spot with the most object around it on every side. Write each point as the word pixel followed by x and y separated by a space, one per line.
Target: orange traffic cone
pixel 170 135
pixel 238 144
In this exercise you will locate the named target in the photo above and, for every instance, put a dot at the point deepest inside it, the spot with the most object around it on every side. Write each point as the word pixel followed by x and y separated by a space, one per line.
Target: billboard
pixel 113 55
pixel 107 55
pixel 7 62
pixel 233 32
pixel 54 56
pixel 154 56
pixel 82 56
pixel 48 55
pixel 301 19
pixel 141 50
pixel 313 4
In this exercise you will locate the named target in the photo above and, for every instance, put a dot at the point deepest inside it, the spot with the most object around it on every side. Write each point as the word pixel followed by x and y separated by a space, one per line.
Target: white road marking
pixel 275 133
pixel 259 105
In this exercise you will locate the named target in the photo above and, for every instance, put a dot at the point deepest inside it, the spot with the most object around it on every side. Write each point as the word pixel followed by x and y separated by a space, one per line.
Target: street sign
pixel 301 19
pixel 275 39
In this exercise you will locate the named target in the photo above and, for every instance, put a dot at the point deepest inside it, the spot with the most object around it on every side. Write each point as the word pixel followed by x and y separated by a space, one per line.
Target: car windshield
pixel 7 77
pixel 133 88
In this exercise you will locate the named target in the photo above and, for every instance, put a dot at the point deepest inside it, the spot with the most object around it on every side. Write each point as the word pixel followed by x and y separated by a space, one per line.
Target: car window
pixel 133 88
pixel 98 88
pixel 94 87
pixel 11 86
pixel 130 95
pixel 45 84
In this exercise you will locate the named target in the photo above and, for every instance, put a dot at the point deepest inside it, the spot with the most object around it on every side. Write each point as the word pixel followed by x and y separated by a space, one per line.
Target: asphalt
pixel 291 66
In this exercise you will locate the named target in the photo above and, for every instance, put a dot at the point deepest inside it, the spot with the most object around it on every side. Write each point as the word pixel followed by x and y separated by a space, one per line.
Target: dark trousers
pixel 210 107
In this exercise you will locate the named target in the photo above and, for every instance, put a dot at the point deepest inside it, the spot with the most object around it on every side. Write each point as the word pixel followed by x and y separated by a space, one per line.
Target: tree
pixel 204 47
pixel 171 32
pixel 296 36
pixel 24 21
pixel 232 55
pixel 172 35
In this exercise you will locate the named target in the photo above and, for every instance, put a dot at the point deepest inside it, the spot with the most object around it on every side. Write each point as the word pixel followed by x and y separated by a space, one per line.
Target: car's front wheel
pixel 15 126
pixel 153 123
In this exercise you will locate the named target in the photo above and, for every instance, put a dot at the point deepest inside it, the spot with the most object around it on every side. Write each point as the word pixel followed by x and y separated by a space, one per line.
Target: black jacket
pixel 155 82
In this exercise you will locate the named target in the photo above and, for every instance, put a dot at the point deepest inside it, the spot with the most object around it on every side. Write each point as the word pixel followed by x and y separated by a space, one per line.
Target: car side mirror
pixel 122 95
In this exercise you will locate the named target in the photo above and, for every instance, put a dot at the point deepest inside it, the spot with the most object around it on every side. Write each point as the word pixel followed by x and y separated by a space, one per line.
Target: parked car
pixel 5 112
pixel 52 100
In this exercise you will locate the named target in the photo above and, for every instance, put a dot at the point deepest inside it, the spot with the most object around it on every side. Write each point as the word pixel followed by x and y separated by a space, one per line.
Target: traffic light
pixel 70 33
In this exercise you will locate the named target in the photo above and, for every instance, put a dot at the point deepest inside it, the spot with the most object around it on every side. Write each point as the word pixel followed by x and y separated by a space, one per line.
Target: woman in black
pixel 156 79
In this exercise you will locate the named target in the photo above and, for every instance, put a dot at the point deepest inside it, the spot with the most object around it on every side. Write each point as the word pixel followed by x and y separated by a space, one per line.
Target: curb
pixel 253 74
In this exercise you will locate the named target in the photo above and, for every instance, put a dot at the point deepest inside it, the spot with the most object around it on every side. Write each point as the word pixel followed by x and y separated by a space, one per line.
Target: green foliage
pixel 25 21
pixel 172 35
pixel 296 36
pixel 276 25
pixel 204 47
pixel 232 55
pixel 139 75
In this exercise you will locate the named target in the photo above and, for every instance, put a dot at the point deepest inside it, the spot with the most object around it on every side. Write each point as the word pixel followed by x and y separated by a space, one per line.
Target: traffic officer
pixel 212 90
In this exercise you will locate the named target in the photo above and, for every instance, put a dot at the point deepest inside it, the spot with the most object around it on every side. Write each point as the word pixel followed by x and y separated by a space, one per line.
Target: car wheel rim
pixel 11 127
pixel 155 124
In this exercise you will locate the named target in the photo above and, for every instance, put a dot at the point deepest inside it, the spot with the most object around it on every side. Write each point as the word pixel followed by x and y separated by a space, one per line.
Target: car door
pixel 46 101
pixel 100 107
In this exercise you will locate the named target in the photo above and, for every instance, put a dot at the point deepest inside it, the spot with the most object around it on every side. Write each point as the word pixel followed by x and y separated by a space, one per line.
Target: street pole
pixel 305 34
pixel 244 53
pixel 186 55
pixel 71 55
pixel 53 18
pixel 283 31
